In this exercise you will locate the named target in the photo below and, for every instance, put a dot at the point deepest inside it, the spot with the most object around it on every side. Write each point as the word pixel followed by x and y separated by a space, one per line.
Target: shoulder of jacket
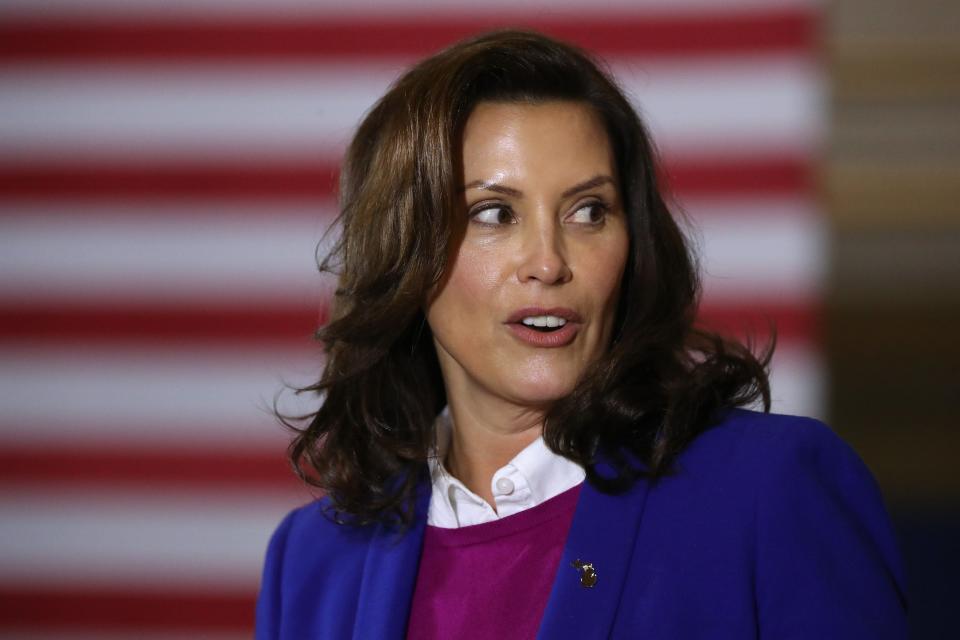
pixel 316 529
pixel 769 433
pixel 311 550
pixel 745 443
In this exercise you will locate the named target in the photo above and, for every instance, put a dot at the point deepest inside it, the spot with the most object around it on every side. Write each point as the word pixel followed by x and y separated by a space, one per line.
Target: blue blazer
pixel 770 527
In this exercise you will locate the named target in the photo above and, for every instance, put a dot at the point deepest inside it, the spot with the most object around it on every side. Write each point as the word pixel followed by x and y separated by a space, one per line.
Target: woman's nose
pixel 543 257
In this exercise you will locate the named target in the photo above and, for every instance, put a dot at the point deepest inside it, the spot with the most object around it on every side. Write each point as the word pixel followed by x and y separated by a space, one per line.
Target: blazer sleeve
pixel 269 601
pixel 827 563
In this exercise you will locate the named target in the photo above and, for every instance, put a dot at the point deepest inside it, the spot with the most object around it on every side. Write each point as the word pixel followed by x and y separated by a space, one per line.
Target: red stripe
pixel 89 609
pixel 242 41
pixel 770 175
pixel 797 322
pixel 167 181
pixel 733 176
pixel 188 469
pixel 107 323
pixel 114 321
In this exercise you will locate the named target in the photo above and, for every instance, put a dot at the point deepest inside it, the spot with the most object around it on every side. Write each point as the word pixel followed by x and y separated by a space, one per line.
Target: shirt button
pixel 505 486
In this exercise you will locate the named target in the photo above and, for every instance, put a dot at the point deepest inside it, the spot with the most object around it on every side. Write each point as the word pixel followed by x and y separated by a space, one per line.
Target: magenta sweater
pixel 491 580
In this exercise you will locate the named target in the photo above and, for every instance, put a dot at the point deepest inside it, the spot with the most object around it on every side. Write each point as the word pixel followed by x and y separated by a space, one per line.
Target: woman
pixel 522 433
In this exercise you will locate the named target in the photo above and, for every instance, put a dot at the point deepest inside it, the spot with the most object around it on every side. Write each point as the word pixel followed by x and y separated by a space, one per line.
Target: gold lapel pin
pixel 588 574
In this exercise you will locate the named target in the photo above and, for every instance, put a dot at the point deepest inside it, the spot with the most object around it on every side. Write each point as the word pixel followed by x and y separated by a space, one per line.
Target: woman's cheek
pixel 478 271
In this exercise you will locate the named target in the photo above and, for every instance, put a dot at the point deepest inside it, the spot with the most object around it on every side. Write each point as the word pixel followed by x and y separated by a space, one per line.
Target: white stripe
pixel 751 247
pixel 257 111
pixel 212 9
pixel 163 395
pixel 72 397
pixel 718 105
pixel 759 249
pixel 107 537
pixel 229 252
pixel 798 381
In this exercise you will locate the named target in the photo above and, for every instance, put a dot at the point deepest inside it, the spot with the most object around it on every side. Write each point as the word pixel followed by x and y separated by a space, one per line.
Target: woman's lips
pixel 559 337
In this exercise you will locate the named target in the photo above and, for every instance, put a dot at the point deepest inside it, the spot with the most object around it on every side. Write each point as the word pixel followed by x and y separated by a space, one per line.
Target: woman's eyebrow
pixel 593 182
pixel 493 186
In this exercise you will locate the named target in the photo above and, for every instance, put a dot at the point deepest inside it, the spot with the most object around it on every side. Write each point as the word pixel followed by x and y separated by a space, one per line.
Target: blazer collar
pixel 603 533
pixel 390 574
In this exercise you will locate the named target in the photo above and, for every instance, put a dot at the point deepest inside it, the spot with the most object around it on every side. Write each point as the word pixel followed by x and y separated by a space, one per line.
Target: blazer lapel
pixel 603 534
pixel 389 576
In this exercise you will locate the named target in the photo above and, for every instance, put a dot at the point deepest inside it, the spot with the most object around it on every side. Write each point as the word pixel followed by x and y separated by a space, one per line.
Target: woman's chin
pixel 541 391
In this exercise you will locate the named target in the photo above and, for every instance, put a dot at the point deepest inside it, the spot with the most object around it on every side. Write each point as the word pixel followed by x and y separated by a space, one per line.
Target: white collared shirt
pixel 533 476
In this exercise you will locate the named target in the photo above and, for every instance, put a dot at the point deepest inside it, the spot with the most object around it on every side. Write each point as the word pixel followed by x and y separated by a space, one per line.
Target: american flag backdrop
pixel 166 173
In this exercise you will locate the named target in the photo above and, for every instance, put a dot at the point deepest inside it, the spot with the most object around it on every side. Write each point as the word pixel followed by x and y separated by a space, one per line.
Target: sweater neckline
pixel 555 507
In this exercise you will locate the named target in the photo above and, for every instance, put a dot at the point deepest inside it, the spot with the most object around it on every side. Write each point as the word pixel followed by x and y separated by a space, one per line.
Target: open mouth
pixel 545 328
pixel 544 324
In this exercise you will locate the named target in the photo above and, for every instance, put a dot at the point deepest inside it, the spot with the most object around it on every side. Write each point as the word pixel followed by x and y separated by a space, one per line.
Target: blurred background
pixel 167 171
pixel 891 183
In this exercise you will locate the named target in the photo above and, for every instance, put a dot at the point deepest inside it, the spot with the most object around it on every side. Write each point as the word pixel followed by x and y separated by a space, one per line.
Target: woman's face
pixel 529 296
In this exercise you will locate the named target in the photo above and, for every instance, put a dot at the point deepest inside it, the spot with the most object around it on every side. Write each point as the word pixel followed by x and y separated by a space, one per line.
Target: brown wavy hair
pixel 661 382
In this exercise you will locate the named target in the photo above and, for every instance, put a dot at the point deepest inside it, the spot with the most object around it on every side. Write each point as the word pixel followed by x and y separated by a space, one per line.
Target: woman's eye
pixel 590 213
pixel 493 215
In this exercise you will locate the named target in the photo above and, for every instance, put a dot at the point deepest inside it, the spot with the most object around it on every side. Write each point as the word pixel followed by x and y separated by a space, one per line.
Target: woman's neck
pixel 484 439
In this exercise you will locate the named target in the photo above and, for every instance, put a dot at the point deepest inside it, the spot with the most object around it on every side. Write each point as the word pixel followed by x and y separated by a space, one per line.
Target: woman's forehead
pixel 564 140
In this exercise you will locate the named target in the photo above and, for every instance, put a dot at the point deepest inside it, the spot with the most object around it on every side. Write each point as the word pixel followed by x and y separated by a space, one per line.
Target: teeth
pixel 544 321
